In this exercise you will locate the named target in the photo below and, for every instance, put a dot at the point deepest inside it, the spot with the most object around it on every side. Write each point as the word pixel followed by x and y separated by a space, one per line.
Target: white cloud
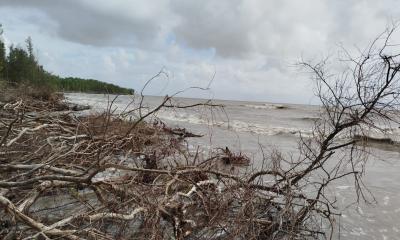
pixel 250 44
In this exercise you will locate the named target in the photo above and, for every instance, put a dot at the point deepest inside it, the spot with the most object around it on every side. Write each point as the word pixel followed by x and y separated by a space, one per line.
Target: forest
pixel 19 66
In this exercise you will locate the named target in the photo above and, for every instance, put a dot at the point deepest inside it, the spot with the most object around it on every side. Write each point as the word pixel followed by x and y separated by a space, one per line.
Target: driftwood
pixel 127 182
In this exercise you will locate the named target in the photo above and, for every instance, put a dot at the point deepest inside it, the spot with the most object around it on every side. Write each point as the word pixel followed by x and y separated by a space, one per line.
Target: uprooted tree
pixel 101 176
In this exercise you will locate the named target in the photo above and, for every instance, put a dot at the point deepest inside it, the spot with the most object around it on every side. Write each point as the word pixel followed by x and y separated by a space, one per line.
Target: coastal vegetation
pixel 65 175
pixel 20 67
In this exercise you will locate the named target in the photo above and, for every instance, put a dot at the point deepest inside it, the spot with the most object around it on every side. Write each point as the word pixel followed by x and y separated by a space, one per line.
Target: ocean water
pixel 251 126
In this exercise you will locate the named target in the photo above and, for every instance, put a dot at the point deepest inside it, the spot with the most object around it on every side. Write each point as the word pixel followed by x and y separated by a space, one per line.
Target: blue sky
pixel 250 46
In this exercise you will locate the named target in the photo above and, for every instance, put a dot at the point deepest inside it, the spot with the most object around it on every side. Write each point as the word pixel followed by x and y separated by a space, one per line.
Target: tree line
pixel 20 66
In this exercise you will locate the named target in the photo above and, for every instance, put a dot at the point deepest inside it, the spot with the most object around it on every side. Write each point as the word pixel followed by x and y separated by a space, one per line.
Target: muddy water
pixel 247 126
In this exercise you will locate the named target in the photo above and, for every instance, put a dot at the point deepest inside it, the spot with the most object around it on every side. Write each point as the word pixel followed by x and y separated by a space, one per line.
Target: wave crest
pixel 266 106
pixel 235 125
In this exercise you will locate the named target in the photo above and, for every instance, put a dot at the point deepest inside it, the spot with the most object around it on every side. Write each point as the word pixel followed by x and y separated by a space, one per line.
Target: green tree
pixel 35 76
pixel 29 47
pixel 21 66
pixel 3 60
pixel 18 62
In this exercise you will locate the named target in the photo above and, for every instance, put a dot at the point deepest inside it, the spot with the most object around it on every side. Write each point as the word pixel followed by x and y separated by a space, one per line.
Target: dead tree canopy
pixel 105 177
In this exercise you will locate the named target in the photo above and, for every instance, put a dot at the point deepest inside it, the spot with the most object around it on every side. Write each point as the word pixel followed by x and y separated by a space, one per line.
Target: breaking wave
pixel 386 139
pixel 235 125
pixel 185 117
pixel 370 136
pixel 240 126
pixel 266 106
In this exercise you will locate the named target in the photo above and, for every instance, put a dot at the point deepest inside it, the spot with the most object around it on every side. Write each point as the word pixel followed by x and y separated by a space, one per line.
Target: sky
pixel 240 49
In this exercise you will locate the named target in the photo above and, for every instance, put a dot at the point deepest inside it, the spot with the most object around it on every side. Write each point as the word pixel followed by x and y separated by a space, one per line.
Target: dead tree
pixel 361 99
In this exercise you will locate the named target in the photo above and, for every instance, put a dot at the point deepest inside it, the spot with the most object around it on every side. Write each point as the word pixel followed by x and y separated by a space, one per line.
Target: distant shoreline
pixel 121 94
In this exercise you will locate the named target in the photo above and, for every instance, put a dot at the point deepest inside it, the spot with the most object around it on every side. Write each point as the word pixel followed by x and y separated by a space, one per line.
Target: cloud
pixel 251 45
pixel 100 23
pixel 283 28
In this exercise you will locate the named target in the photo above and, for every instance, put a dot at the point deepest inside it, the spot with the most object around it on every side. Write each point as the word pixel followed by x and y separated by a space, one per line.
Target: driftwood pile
pixel 96 177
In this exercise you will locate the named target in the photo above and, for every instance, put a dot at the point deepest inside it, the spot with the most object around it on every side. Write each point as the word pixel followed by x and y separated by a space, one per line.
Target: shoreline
pixel 138 175
pixel 155 157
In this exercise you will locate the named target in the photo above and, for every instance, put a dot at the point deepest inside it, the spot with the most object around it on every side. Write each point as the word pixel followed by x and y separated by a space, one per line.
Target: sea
pixel 258 128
